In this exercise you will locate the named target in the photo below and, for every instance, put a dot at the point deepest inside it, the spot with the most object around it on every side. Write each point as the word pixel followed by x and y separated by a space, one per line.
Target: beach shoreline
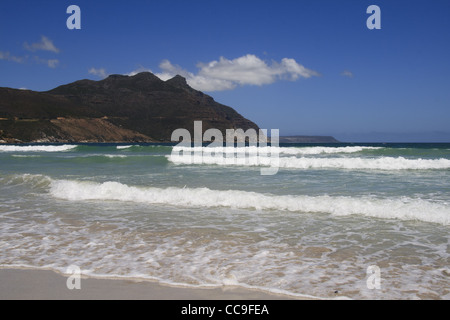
pixel 35 284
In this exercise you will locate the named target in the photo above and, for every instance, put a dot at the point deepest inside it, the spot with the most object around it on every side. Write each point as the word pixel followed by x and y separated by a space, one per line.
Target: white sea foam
pixel 25 156
pixel 279 150
pixel 47 148
pixel 123 147
pixel 114 155
pixel 380 163
pixel 391 208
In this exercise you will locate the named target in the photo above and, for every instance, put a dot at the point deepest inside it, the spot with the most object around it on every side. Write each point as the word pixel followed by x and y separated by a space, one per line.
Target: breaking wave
pixel 386 208
pixel 380 163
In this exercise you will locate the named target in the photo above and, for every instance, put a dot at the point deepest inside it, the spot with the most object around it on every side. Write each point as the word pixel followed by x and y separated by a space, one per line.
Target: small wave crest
pixel 278 150
pixel 34 180
pixel 36 148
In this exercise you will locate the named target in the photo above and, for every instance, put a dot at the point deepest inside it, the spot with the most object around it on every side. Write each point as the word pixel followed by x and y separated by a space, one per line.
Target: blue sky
pixel 304 67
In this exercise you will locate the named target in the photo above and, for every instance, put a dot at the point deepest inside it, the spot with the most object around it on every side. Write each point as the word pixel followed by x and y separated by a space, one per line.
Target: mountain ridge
pixel 119 108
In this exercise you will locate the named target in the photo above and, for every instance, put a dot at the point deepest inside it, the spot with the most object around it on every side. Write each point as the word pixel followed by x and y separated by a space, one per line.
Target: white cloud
pixel 52 63
pixel 45 45
pixel 226 74
pixel 248 69
pixel 290 69
pixel 347 73
pixel 8 57
pixel 198 82
pixel 101 73
pixel 210 84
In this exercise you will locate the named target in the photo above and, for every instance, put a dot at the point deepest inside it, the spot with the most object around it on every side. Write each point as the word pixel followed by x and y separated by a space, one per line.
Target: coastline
pixel 35 284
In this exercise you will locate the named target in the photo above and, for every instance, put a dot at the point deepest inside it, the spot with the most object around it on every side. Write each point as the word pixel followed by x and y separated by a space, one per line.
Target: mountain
pixel 120 108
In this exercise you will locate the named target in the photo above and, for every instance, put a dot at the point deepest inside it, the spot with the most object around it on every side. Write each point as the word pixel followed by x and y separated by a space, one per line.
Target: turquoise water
pixel 313 228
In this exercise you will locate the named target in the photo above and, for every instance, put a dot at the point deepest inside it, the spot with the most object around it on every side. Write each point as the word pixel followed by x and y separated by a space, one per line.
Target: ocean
pixel 358 221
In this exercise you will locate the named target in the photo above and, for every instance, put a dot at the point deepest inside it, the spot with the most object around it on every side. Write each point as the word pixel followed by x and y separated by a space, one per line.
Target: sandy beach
pixel 26 284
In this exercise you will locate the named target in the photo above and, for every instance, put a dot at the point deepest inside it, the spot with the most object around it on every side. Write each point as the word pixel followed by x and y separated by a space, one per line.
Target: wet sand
pixel 27 284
